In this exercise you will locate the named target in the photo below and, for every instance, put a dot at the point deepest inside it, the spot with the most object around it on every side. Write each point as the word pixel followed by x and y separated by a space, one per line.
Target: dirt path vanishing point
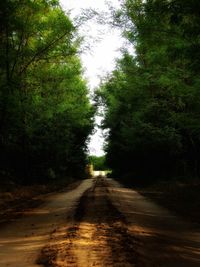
pixel 112 226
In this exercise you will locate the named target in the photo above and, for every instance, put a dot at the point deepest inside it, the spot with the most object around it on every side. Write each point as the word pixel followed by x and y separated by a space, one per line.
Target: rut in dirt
pixel 98 237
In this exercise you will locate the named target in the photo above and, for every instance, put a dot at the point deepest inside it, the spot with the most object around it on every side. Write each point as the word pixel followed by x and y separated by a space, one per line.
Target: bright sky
pixel 104 45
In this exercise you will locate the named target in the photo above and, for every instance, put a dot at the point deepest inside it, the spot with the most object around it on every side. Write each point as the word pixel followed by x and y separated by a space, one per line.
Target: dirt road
pixel 22 240
pixel 112 226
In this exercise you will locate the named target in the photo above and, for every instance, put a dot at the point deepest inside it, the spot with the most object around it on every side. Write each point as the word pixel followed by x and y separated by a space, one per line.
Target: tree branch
pixel 41 52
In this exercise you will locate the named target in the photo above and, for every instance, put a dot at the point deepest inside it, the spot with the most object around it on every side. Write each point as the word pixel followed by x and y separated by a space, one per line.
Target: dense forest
pixel 152 98
pixel 45 113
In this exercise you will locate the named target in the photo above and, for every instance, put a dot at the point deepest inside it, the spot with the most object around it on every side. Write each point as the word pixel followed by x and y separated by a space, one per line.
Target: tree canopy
pixel 45 113
pixel 152 98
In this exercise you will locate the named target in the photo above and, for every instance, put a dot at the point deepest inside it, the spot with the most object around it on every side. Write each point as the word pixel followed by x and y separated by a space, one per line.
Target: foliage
pixel 98 162
pixel 45 114
pixel 152 99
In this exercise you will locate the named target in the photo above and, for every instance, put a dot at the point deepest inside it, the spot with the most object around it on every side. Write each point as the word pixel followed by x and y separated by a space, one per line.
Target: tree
pixel 152 98
pixel 45 112
pixel 98 162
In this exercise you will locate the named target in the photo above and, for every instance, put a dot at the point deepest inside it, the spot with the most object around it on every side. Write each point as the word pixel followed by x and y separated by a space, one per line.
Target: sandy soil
pixel 164 239
pixel 22 240
pixel 110 226
pixel 97 238
pixel 117 227
pixel 17 199
pixel 181 197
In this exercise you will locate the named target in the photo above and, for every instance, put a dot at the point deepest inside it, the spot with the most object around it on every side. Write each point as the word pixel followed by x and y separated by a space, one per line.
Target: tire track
pixel 98 237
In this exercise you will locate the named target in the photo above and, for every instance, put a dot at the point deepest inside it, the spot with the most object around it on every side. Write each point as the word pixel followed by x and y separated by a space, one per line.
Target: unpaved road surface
pixel 22 240
pixel 109 226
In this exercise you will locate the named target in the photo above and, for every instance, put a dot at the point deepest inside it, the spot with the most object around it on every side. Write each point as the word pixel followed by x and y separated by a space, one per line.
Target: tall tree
pixel 152 98
pixel 45 112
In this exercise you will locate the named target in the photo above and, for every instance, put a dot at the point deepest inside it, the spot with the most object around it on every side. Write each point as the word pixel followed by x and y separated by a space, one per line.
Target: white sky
pixel 100 58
